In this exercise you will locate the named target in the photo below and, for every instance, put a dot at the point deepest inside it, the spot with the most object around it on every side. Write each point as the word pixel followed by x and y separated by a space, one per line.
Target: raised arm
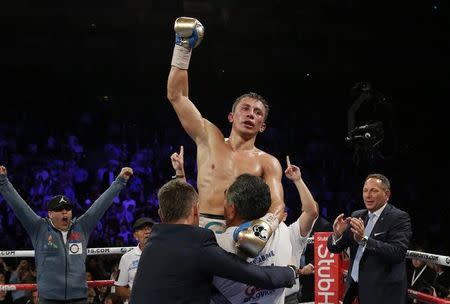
pixel 188 35
pixel 101 204
pixel 24 213
pixel 177 160
pixel 309 209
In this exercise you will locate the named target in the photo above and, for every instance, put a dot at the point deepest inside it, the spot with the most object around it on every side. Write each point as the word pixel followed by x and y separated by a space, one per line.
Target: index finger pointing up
pixel 288 161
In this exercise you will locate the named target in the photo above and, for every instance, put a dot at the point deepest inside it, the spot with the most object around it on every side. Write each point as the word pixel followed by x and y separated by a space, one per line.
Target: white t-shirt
pixel 297 251
pixel 127 267
pixel 278 251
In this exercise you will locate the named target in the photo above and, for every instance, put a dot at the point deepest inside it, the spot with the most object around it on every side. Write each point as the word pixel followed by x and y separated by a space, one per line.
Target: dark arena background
pixel 84 92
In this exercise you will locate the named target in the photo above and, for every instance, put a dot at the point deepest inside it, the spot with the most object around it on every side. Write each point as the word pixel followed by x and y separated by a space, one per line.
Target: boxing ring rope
pixel 424 297
pixel 30 253
pixel 428 257
pixel 418 255
pixel 329 274
pixel 330 269
pixel 90 251
pixel 31 287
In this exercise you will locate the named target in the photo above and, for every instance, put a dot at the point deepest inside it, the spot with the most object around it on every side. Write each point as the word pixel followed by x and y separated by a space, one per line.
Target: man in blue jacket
pixel 60 241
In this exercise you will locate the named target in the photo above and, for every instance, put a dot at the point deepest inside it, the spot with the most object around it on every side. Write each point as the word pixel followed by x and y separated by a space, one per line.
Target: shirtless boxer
pixel 220 160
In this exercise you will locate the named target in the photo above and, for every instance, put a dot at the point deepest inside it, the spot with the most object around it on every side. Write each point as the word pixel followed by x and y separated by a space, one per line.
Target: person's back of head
pixel 177 201
pixel 113 298
pixel 250 196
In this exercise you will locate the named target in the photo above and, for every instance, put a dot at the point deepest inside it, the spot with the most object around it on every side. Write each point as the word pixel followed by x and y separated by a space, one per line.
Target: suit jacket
pixel 382 269
pixel 178 263
pixel 307 281
pixel 442 283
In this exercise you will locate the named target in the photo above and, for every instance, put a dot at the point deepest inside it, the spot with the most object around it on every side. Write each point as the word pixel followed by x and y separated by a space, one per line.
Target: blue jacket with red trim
pixel 61 267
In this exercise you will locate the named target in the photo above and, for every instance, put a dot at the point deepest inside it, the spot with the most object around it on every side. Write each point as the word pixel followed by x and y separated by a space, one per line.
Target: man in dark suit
pixel 180 259
pixel 306 293
pixel 378 238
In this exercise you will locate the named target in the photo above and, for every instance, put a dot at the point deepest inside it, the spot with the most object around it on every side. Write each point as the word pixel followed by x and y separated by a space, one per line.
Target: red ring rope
pixel 31 287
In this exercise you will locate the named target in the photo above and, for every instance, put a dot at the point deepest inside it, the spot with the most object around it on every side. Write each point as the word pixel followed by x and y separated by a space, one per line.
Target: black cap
pixel 58 202
pixel 143 221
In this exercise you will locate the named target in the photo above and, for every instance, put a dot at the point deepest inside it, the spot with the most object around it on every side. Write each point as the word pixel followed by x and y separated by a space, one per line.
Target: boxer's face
pixel 248 117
